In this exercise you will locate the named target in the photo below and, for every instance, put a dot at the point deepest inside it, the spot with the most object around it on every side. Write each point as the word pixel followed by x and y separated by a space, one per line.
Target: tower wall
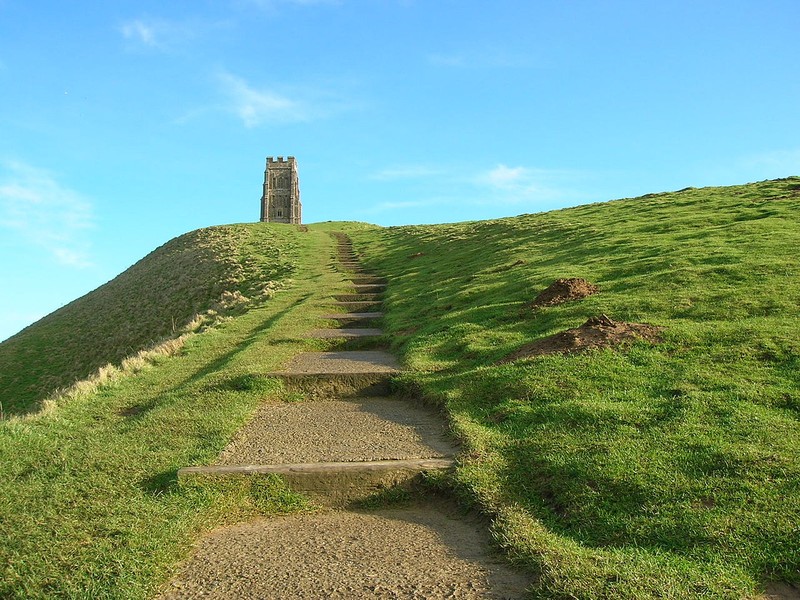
pixel 280 198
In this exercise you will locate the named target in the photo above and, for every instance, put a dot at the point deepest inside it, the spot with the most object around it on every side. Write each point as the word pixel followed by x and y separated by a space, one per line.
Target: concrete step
pixel 334 484
pixel 368 279
pixel 357 297
pixel 336 431
pixel 339 374
pixel 353 316
pixel 427 550
pixel 359 304
pixel 367 288
pixel 354 268
pixel 344 332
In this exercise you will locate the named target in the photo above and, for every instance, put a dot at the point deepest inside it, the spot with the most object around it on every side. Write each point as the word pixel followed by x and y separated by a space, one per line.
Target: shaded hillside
pixel 658 467
pixel 153 299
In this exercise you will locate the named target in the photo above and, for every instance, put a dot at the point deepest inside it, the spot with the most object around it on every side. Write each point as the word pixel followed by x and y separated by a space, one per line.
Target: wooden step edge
pixel 416 464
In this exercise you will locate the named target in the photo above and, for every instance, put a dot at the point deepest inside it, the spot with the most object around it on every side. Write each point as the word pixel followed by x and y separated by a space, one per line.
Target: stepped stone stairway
pixel 348 439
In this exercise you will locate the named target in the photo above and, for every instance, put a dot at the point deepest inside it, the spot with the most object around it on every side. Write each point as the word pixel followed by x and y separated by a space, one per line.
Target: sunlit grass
pixel 90 506
pixel 668 470
pixel 167 293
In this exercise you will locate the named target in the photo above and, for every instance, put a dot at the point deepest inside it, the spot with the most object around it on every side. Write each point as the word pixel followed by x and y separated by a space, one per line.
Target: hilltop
pixel 662 466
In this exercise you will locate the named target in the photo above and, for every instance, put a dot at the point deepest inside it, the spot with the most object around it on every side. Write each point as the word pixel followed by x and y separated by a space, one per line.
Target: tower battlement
pixel 280 198
pixel 279 160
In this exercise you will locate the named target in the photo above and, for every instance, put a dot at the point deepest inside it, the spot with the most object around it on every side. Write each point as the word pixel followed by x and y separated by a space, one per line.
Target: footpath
pixel 346 441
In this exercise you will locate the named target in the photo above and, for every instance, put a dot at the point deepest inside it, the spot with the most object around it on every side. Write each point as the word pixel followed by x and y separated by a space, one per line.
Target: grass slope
pixel 654 471
pixel 89 503
pixel 154 299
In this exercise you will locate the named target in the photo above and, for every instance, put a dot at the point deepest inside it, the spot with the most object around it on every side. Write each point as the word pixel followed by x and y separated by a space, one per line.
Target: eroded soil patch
pixel 564 290
pixel 597 332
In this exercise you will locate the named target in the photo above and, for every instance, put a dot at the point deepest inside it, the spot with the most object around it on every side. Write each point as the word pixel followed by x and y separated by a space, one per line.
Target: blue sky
pixel 124 124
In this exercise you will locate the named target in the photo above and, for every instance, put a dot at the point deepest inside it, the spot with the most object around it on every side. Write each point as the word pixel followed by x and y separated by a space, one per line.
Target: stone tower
pixel 280 200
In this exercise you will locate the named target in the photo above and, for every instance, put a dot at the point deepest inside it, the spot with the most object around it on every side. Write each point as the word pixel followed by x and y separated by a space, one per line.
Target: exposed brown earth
pixel 597 332
pixel 564 290
pixel 781 591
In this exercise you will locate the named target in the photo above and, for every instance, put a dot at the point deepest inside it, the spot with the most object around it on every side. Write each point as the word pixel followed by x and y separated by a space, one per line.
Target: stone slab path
pixel 344 441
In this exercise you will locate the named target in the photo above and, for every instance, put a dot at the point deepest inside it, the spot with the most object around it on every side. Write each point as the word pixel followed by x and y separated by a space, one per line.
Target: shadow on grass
pixel 220 363
pixel 165 482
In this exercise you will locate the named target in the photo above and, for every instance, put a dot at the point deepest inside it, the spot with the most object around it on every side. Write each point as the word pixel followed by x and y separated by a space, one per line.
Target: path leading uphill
pixel 346 441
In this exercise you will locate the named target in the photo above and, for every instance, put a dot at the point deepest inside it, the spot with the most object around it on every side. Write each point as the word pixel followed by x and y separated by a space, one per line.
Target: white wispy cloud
pixel 262 105
pixel 459 186
pixel 527 185
pixel 163 35
pixel 257 106
pixel 45 213
pixel 141 32
pixel 505 177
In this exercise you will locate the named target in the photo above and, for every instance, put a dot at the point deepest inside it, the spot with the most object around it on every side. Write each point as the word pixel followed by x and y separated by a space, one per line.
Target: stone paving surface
pixel 420 552
pixel 356 430
pixel 320 363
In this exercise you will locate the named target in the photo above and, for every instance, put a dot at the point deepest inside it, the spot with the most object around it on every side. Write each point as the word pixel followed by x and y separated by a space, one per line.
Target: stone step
pixel 357 297
pixel 358 305
pixel 366 288
pixel 337 483
pixel 363 279
pixel 339 374
pixel 343 332
pixel 336 431
pixel 355 268
pixel 353 316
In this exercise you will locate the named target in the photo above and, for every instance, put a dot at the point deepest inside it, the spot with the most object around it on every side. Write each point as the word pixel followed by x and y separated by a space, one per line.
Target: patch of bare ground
pixel 564 290
pixel 781 591
pixel 426 551
pixel 597 332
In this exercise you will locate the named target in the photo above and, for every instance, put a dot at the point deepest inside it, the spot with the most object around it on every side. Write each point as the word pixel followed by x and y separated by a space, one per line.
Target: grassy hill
pixel 89 501
pixel 157 298
pixel 666 469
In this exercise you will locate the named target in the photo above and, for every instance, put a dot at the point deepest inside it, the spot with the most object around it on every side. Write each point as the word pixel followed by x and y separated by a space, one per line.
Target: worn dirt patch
pixel 781 591
pixel 597 332
pixel 419 552
pixel 564 290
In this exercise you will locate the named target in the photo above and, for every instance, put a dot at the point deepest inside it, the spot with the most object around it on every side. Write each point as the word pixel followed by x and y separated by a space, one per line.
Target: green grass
pixel 214 269
pixel 89 501
pixel 663 471
pixel 651 471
